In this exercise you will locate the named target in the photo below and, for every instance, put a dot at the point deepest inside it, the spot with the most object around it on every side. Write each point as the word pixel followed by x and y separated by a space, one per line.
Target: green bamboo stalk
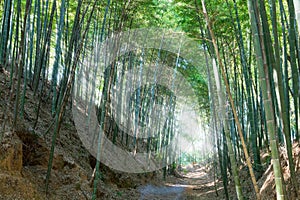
pixel 5 33
pixel 248 159
pixel 249 91
pixel 271 62
pixel 103 113
pixel 44 59
pixel 223 108
pixel 284 105
pixel 266 93
pixel 57 53
pixel 284 71
pixel 20 60
pixel 25 62
pixel 294 66
pixel 64 98
pixel 38 41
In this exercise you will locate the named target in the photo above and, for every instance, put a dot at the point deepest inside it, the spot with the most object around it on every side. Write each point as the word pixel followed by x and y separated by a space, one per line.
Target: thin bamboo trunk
pixel 283 103
pixel 65 96
pixel 248 159
pixel 294 66
pixel 57 54
pixel 266 93
pixel 223 108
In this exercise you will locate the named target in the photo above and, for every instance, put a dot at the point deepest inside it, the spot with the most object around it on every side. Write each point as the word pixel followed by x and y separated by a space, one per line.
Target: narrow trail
pixel 201 185
pixel 195 184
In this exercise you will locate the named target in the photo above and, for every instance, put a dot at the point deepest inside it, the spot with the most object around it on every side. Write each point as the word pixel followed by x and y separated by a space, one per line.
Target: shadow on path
pixel 195 184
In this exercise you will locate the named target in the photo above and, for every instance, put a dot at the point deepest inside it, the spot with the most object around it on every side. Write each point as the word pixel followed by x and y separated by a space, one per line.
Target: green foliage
pixel 119 193
pixel 45 42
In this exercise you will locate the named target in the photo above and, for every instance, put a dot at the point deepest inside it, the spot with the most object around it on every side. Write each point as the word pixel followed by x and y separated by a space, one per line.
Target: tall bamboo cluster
pixel 46 45
pixel 252 58
pixel 260 71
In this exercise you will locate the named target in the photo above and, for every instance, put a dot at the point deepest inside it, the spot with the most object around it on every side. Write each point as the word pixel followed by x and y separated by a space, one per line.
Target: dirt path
pixel 201 185
pixel 195 184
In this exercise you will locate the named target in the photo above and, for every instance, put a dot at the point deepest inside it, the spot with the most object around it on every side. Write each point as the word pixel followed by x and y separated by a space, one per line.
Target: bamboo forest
pixel 149 99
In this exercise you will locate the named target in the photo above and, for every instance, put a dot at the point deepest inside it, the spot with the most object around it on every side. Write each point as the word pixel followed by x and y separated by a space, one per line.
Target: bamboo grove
pixel 248 92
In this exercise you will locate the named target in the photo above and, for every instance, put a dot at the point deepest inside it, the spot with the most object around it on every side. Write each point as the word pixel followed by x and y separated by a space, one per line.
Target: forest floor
pixel 197 182
pixel 24 155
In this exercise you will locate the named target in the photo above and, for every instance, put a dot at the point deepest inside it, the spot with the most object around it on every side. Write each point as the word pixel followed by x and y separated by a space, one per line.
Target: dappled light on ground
pixel 194 183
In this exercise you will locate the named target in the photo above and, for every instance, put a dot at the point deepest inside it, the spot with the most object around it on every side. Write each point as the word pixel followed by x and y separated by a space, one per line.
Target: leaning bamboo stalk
pixel 248 159
pixel 65 96
pixel 222 104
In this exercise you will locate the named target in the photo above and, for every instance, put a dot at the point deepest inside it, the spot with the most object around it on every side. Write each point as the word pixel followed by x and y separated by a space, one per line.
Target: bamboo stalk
pixel 248 159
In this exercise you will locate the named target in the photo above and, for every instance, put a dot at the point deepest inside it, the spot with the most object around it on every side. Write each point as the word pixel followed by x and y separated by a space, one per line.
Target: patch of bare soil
pixel 267 183
pixel 24 155
pixel 202 186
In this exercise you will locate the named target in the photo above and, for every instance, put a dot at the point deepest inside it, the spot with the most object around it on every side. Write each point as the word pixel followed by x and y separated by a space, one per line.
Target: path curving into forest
pixel 196 183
